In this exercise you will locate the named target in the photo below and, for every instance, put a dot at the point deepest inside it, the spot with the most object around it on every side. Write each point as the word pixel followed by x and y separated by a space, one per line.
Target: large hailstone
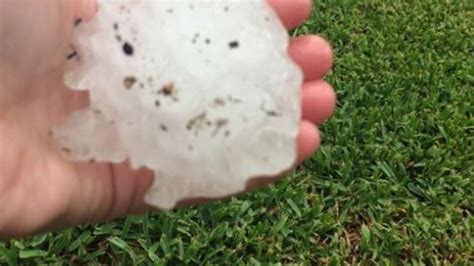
pixel 201 92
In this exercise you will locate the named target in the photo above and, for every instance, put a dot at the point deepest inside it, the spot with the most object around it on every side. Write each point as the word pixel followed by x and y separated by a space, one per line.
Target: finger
pixel 129 187
pixel 292 12
pixel 313 54
pixel 318 101
pixel 308 140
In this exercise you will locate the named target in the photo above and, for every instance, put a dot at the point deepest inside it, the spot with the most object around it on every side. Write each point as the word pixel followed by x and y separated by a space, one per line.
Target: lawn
pixel 392 183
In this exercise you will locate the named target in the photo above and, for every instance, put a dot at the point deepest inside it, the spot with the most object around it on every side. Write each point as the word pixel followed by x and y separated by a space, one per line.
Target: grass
pixel 392 184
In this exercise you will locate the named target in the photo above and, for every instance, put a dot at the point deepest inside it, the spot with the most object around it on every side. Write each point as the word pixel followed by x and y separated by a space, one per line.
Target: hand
pixel 39 190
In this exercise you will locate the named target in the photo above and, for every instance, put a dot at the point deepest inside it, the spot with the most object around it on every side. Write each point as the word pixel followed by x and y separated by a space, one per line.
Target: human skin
pixel 41 191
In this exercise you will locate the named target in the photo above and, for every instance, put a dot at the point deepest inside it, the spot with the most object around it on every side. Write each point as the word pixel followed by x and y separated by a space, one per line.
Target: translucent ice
pixel 201 92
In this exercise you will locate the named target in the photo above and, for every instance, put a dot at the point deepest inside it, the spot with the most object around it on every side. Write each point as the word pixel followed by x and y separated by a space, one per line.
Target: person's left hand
pixel 39 190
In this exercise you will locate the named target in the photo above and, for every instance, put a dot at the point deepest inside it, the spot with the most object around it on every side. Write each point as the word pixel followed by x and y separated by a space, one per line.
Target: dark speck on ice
pixel 129 81
pixel 77 22
pixel 71 55
pixel 196 36
pixel 127 49
pixel 168 88
pixel 234 44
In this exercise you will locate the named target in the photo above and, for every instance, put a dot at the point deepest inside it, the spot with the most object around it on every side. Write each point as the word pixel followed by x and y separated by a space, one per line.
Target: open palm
pixel 39 190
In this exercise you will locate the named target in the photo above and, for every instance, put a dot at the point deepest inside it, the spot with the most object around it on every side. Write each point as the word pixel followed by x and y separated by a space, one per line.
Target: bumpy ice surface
pixel 201 92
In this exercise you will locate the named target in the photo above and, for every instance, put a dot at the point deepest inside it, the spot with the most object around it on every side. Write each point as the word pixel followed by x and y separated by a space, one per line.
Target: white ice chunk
pixel 201 92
